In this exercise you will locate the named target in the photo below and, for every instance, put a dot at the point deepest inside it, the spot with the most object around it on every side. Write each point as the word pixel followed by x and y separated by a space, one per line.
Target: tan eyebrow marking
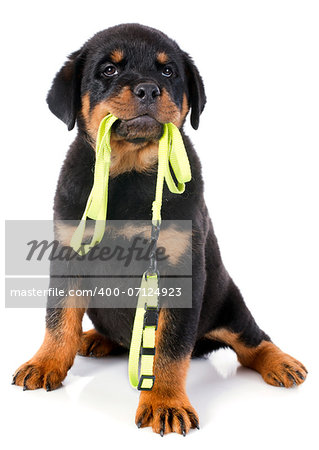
pixel 162 57
pixel 117 55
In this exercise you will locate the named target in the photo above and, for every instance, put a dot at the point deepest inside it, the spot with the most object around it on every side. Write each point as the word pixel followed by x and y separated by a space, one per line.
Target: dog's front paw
pixel 166 415
pixel 38 373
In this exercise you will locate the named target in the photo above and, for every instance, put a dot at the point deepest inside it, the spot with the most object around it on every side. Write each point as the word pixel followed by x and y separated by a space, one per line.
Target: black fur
pixel 217 302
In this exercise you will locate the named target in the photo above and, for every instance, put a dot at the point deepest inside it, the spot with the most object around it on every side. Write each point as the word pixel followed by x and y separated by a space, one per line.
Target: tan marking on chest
pixel 176 243
pixel 127 156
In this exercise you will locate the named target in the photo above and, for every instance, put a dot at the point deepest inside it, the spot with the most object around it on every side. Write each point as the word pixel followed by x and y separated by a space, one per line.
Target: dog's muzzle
pixel 139 129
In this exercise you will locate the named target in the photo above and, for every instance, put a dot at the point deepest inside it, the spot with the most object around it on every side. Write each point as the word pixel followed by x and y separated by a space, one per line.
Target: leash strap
pixel 171 156
pixel 96 206
pixel 171 153
pixel 143 336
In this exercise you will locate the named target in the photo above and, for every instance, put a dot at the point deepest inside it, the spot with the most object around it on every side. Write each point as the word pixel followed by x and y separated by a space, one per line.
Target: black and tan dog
pixel 143 78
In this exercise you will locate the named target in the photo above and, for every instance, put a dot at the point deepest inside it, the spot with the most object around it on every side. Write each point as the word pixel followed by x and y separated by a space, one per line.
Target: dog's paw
pixel 166 415
pixel 94 344
pixel 37 373
pixel 280 369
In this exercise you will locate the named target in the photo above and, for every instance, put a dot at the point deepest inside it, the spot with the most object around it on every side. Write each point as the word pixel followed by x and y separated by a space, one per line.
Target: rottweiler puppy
pixel 142 77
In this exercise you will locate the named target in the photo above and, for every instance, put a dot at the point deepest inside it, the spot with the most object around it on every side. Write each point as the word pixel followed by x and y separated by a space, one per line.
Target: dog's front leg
pixel 166 408
pixel 50 364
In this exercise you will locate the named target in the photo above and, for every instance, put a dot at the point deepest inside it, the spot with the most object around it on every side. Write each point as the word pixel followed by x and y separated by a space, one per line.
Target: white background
pixel 258 142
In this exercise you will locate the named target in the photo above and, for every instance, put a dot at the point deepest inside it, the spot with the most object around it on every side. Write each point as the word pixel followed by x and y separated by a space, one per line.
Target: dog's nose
pixel 147 92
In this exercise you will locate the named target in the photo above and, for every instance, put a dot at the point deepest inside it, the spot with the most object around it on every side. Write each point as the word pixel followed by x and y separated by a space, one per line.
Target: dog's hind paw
pixel 94 344
pixel 278 368
pixel 287 372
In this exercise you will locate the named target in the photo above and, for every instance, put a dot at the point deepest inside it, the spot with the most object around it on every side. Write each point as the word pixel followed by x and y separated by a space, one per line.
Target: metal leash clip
pixel 152 269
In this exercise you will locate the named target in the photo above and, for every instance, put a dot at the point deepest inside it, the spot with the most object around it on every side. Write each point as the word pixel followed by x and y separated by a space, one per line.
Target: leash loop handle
pixel 96 206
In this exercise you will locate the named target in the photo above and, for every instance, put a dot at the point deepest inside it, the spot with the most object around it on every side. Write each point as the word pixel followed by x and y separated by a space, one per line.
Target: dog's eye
pixel 110 71
pixel 167 72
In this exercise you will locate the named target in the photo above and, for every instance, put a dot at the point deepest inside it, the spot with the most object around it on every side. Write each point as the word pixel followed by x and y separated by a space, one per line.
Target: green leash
pixel 171 153
pixel 96 205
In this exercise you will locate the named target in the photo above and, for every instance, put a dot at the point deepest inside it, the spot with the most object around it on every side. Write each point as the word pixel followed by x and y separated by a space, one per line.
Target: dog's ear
pixel 196 91
pixel 64 97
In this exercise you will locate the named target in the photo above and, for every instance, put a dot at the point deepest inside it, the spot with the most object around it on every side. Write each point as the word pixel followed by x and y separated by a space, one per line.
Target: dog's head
pixel 134 72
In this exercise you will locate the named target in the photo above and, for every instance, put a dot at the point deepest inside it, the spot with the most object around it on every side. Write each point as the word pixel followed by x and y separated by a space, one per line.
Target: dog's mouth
pixel 139 129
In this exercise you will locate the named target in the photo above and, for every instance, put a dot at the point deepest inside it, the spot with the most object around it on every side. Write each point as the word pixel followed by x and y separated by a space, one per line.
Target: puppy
pixel 142 77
